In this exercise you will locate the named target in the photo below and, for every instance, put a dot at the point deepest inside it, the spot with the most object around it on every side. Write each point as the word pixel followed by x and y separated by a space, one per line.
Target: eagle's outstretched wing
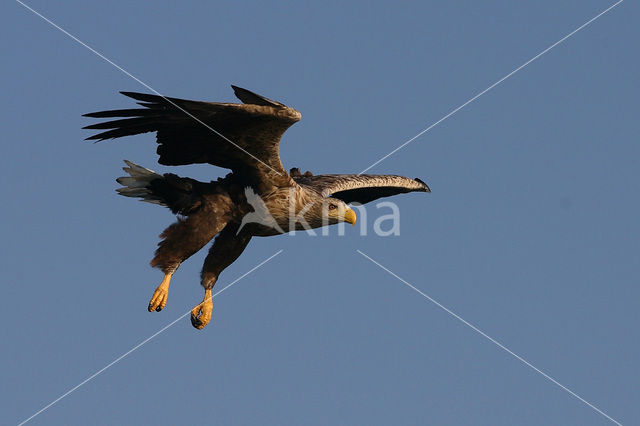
pixel 361 188
pixel 242 137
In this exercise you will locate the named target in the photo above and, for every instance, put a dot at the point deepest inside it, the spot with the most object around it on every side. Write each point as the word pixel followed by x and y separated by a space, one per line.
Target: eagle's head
pixel 329 211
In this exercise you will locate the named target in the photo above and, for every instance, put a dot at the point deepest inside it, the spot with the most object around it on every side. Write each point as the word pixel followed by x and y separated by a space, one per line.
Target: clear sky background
pixel 531 232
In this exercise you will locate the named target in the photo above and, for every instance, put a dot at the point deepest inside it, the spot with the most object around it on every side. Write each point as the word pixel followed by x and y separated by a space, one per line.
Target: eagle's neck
pixel 295 205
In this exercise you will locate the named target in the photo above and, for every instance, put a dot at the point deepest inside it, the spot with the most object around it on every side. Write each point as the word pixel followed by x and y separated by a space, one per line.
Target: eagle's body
pixel 259 198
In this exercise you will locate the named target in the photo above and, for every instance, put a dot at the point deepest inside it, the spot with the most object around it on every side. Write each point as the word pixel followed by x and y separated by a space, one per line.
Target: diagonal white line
pixel 491 339
pixel 492 86
pixel 94 375
pixel 76 39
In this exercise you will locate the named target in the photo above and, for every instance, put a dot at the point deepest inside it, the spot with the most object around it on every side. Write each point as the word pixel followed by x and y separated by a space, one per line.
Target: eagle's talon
pixel 194 321
pixel 201 314
pixel 159 298
pixel 199 318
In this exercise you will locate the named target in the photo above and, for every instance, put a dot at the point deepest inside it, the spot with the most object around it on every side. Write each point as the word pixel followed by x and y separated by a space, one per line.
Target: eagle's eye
pixel 332 207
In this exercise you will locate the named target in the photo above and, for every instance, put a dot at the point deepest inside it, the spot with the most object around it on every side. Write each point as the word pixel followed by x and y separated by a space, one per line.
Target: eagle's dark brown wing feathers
pixel 132 112
pixel 361 188
pixel 248 97
pixel 120 128
pixel 241 137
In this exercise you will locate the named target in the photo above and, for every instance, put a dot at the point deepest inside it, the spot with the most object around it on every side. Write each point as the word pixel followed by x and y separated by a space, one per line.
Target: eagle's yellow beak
pixel 350 216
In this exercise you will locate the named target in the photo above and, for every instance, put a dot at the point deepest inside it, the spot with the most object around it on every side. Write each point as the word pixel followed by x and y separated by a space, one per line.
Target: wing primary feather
pixel 248 97
pixel 126 131
pixel 134 112
pixel 157 101
pixel 145 97
pixel 426 187
pixel 124 123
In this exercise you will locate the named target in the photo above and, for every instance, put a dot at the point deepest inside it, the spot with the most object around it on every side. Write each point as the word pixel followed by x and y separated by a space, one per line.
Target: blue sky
pixel 530 233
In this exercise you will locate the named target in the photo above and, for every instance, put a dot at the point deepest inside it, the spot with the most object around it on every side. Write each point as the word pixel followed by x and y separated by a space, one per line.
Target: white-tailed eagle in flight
pixel 244 138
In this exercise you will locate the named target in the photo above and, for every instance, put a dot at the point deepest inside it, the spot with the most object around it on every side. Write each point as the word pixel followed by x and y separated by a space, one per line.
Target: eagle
pixel 258 198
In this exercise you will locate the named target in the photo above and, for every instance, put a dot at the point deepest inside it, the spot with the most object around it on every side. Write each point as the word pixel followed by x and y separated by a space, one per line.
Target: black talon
pixel 195 321
pixel 159 308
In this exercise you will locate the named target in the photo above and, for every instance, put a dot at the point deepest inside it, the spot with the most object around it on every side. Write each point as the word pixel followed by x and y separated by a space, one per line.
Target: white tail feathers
pixel 135 185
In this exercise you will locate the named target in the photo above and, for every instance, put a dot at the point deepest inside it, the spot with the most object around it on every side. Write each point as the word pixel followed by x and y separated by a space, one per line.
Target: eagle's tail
pixel 166 190
pixel 137 184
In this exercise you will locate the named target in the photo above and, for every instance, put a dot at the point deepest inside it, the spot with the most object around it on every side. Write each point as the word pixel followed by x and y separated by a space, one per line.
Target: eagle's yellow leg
pixel 159 298
pixel 201 314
